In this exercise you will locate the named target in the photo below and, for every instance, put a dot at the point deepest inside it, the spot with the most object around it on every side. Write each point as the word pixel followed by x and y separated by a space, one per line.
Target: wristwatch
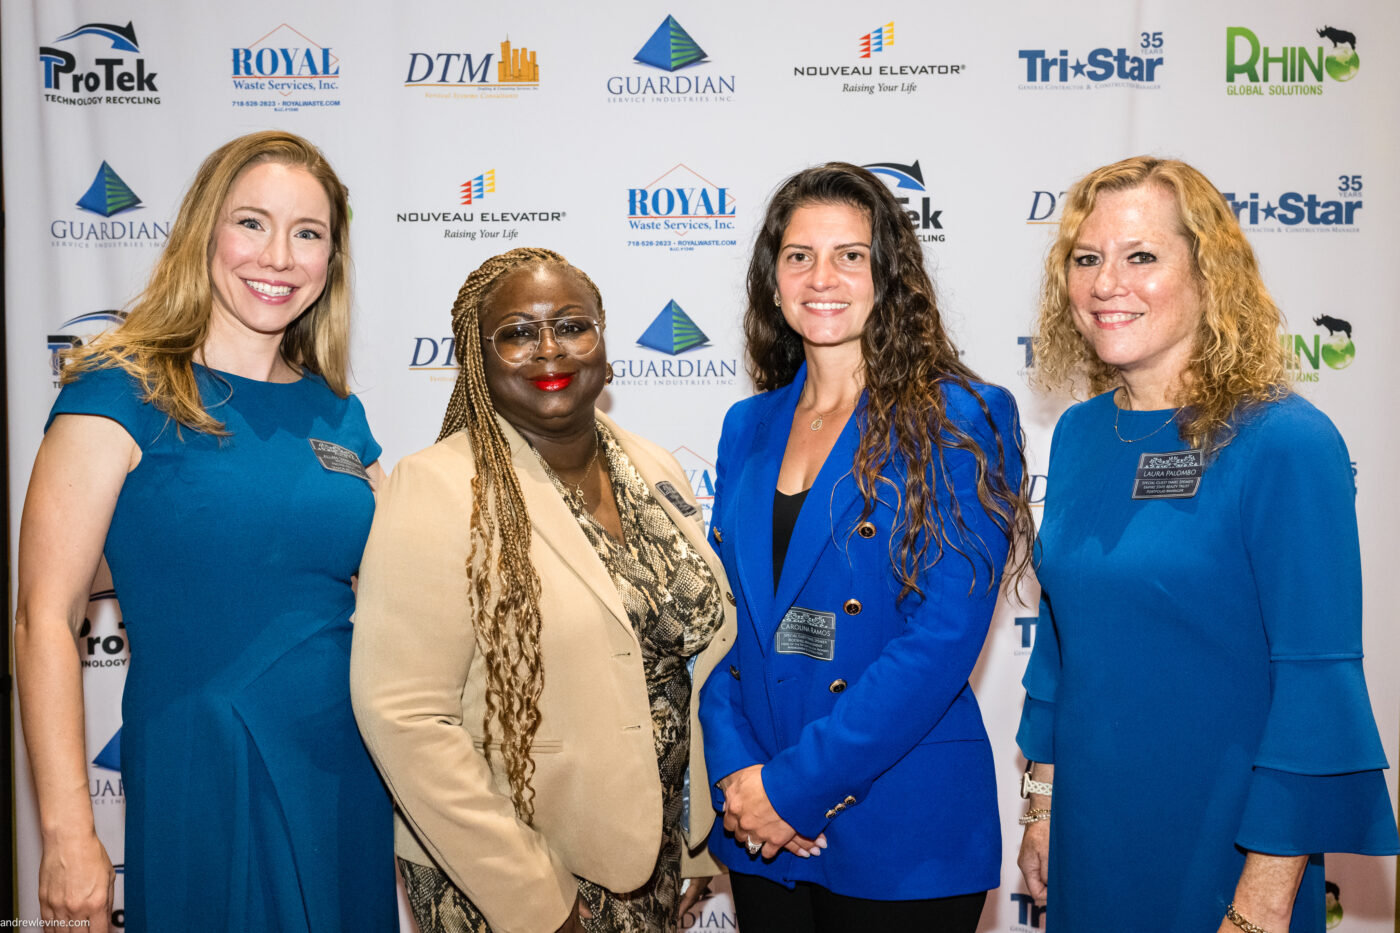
pixel 1029 786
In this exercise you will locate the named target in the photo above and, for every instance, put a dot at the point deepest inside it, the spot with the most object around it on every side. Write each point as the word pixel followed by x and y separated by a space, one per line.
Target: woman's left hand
pixel 695 889
pixel 749 815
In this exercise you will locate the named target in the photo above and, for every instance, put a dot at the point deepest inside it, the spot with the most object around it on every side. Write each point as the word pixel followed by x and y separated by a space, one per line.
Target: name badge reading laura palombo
pixel 338 459
pixel 1175 475
pixel 807 631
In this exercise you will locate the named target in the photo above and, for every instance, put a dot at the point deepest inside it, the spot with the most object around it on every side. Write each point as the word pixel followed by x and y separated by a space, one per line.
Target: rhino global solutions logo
pixel 461 75
pixel 1136 65
pixel 1299 211
pixel 671 51
pixel 1253 69
pixel 76 332
pixel 907 183
pixel 681 211
pixel 95 64
pixel 106 217
pixel 285 72
pixel 499 222
pixel 876 71
pixel 1330 346
pixel 677 358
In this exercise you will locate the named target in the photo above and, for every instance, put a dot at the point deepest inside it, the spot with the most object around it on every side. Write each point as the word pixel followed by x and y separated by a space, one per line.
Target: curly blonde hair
pixel 1237 359
pixel 506 621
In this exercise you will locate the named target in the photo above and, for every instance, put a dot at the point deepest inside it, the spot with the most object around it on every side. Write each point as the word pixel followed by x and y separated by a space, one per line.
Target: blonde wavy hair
pixel 1237 360
pixel 169 321
pixel 503 585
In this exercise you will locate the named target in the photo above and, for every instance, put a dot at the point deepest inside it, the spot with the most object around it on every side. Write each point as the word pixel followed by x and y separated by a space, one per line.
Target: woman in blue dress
pixel 210 448
pixel 865 505
pixel 1195 704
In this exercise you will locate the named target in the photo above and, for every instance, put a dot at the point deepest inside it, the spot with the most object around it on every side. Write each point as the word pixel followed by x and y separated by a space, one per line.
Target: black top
pixel 785 509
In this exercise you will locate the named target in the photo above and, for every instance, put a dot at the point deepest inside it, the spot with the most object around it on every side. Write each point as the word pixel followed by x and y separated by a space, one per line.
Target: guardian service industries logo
pixel 1136 65
pixel 105 197
pixel 460 75
pixel 499 224
pixel 890 77
pixel 285 72
pixel 674 52
pixel 907 183
pixel 1330 345
pixel 76 332
pixel 680 342
pixel 1253 69
pixel 681 211
pixel 1301 212
pixel 97 63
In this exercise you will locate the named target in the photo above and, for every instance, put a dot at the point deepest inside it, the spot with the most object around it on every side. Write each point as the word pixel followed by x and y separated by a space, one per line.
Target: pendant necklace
pixel 574 492
pixel 817 421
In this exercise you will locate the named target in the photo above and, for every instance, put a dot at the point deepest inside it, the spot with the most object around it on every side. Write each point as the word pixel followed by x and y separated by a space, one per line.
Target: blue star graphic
pixel 1270 211
pixel 1078 68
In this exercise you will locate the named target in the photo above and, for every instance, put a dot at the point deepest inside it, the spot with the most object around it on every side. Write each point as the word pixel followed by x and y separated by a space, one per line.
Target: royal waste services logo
pixel 105 197
pixel 285 71
pixel 701 474
pixel 76 332
pixel 1301 211
pixel 680 211
pixel 907 183
pixel 670 49
pixel 95 64
pixel 673 332
pixel 890 77
pixel 503 223
pixel 1136 66
pixel 1308 353
pixel 675 336
pixel 470 75
pixel 1253 69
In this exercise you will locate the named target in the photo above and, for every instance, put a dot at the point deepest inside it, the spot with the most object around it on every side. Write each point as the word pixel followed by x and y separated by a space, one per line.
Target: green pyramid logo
pixel 670 47
pixel 108 194
pixel 673 332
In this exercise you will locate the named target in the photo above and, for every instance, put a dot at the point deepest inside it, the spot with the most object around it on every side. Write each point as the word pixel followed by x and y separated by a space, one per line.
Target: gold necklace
pixel 1134 440
pixel 817 421
pixel 575 491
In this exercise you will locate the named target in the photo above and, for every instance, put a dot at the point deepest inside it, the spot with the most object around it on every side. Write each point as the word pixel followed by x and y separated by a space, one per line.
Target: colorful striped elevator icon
pixel 108 194
pixel 479 187
pixel 670 48
pixel 673 332
pixel 876 40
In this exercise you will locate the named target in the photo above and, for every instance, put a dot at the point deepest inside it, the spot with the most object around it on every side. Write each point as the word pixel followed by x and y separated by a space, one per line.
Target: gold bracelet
pixel 1036 815
pixel 1234 917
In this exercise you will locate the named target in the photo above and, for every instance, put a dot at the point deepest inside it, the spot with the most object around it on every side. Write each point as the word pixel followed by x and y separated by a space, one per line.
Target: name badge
pixel 1175 475
pixel 807 631
pixel 676 499
pixel 338 459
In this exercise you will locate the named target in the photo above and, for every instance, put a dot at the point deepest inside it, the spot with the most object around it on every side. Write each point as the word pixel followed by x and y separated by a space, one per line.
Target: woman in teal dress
pixel 210 449
pixel 1196 715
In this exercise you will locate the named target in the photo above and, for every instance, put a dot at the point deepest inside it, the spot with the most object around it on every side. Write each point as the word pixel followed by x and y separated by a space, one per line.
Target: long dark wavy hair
pixel 905 420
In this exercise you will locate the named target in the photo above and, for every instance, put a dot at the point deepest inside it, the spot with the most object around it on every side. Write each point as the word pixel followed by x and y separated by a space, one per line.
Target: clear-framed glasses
pixel 517 341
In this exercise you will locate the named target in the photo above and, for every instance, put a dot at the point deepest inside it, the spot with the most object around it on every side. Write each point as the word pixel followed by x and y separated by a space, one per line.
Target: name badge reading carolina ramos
pixel 807 631
pixel 338 459
pixel 1175 475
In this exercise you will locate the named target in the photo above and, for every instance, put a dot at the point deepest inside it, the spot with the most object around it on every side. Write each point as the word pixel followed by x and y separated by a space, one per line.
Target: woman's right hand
pixel 76 881
pixel 1034 859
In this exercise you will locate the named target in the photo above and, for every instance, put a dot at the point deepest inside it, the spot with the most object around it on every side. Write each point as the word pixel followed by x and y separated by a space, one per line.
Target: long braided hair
pixel 908 358
pixel 506 619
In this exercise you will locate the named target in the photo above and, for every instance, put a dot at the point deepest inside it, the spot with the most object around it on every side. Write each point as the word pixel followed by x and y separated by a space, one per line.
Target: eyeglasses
pixel 517 341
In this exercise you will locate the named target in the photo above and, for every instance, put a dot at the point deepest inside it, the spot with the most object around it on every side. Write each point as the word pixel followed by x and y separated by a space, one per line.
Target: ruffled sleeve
pixel 1317 784
pixel 1036 734
pixel 110 393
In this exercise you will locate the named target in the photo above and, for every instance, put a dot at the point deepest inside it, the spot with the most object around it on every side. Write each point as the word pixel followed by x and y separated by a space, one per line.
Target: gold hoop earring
pixel 777 300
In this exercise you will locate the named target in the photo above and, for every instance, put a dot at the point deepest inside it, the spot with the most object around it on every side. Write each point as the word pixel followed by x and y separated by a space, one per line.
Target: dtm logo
pixel 907 182
pixel 1101 67
pixel 69 79
pixel 1294 211
pixel 1289 70
pixel 518 67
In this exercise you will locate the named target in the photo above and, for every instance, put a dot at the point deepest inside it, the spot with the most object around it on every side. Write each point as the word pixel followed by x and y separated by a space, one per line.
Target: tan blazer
pixel 418 686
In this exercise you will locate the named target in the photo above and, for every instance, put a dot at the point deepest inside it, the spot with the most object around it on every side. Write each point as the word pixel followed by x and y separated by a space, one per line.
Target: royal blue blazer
pixel 882 748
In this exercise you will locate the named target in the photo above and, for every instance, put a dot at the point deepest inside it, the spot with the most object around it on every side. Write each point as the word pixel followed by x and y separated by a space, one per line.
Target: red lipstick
pixel 553 382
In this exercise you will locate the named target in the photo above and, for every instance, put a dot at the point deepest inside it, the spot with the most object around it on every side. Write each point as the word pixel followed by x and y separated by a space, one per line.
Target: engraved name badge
pixel 675 498
pixel 338 459
pixel 1175 475
pixel 807 631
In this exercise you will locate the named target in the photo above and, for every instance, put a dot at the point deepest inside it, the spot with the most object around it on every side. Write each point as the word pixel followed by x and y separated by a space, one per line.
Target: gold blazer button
pixel 830 814
pixel 850 800
pixel 730 596
pixel 837 685
pixel 852 607
pixel 733 672
pixel 719 538
pixel 866 529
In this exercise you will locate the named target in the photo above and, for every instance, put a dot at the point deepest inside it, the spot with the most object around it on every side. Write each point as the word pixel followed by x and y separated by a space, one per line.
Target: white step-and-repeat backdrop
pixel 465 129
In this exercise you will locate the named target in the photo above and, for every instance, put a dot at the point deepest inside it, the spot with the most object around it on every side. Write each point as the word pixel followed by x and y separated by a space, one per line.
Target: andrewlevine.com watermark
pixel 17 923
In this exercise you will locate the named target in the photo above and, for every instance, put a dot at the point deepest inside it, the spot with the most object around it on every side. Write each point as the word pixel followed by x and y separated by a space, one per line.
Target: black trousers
pixel 765 906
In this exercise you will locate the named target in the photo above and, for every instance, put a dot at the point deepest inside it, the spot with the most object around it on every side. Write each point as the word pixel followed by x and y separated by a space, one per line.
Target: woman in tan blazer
pixel 533 588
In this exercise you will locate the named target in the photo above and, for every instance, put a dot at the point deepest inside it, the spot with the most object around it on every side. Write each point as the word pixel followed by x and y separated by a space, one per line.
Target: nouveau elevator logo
pixel 680 211
pixel 97 63
pixel 462 75
pixel 907 183
pixel 890 76
pixel 1253 69
pixel 877 40
pixel 500 222
pixel 674 52
pixel 97 223
pixel 286 71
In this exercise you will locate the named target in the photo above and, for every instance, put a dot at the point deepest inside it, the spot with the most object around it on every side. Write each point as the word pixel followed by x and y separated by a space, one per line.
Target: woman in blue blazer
pixel 865 506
